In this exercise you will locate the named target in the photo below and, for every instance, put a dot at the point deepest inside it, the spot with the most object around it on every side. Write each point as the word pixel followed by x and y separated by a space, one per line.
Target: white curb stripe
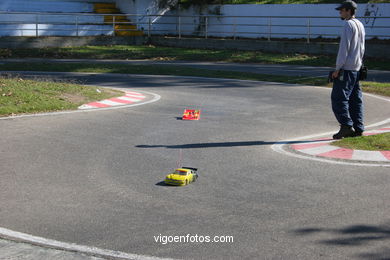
pixel 126 99
pixel 110 103
pixel 98 252
pixel 319 150
pixel 378 132
pixel 368 156
pixel 130 99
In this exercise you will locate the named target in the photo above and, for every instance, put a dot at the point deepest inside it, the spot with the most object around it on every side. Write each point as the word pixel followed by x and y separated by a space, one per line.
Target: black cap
pixel 349 4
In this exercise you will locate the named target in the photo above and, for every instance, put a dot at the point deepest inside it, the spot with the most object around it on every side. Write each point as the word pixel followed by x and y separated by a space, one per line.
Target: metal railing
pixel 268 27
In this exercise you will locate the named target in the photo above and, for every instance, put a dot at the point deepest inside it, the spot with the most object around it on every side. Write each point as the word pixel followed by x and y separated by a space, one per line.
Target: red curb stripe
pixel 97 104
pixel 383 129
pixel 386 154
pixel 339 153
pixel 121 101
pixel 306 146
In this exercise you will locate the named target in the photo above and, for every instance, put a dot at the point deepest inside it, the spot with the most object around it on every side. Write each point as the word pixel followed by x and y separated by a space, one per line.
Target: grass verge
pixel 382 89
pixel 371 87
pixel 379 142
pixel 18 96
pixel 167 53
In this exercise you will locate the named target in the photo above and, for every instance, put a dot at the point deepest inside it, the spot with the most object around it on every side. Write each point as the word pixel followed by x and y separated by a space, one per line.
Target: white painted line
pixel 377 97
pixel 319 150
pixel 378 132
pixel 381 123
pixel 94 251
pixel 369 156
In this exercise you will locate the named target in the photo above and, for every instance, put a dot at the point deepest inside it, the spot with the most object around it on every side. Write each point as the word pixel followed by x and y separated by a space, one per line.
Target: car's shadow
pixel 162 183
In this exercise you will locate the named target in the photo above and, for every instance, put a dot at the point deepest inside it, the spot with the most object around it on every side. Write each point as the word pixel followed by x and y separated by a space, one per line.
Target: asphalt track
pixel 95 178
pixel 269 69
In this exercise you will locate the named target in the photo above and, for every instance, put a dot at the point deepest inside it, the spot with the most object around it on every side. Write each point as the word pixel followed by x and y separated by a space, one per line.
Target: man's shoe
pixel 358 133
pixel 345 131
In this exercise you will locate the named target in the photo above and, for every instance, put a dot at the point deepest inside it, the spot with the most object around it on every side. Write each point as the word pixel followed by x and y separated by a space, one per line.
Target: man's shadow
pixel 225 144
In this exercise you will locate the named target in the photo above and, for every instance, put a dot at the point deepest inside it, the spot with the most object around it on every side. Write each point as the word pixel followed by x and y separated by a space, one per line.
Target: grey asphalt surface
pixel 271 69
pixel 95 178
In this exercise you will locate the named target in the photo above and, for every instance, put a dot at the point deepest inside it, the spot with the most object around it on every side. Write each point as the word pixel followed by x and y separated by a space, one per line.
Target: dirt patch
pixel 75 99
pixel 113 92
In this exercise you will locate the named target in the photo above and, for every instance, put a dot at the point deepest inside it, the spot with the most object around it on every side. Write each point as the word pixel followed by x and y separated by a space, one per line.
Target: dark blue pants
pixel 347 100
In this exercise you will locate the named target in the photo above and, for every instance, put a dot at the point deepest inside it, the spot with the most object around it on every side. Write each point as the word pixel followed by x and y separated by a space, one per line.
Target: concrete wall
pixel 326 22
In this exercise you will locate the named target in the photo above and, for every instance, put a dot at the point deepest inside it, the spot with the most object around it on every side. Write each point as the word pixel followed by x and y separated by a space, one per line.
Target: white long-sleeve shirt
pixel 351 49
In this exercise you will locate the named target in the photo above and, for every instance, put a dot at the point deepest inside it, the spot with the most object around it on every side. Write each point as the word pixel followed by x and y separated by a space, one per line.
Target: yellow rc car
pixel 182 176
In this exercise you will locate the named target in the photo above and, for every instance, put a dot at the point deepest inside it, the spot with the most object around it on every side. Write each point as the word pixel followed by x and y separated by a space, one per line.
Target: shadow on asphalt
pixel 355 235
pixel 163 184
pixel 225 144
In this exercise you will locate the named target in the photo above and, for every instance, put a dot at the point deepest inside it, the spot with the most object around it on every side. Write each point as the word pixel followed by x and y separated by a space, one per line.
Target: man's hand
pixel 335 74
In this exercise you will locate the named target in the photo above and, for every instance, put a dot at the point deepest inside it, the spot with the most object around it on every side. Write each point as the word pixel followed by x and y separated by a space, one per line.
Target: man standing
pixel 347 100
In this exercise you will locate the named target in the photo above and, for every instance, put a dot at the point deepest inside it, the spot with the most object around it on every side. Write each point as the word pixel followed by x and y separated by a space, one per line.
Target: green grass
pixel 371 87
pixel 376 88
pixel 380 142
pixel 167 53
pixel 19 96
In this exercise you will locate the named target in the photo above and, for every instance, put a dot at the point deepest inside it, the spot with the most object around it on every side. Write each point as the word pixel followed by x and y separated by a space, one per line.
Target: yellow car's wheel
pixel 186 182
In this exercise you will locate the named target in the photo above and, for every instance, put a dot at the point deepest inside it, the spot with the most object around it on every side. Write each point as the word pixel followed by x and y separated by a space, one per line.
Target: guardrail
pixel 269 27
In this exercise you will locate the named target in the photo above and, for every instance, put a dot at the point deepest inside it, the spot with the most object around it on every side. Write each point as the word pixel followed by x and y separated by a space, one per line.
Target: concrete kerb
pixel 282 147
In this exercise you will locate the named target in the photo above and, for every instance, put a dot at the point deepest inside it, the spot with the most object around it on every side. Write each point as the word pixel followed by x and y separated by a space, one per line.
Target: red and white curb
pixel 130 97
pixel 322 148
